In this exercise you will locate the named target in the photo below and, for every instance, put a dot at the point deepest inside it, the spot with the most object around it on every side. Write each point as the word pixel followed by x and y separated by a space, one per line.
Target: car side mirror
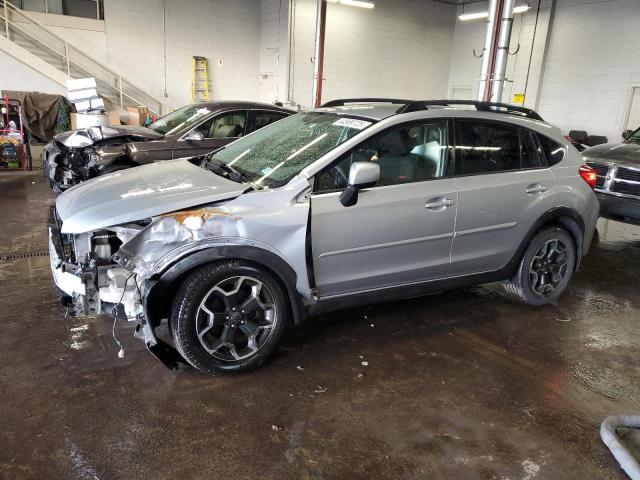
pixel 194 135
pixel 361 175
pixel 626 134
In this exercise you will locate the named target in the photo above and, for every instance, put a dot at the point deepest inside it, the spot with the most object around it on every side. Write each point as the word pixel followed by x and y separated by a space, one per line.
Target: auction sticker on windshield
pixel 352 123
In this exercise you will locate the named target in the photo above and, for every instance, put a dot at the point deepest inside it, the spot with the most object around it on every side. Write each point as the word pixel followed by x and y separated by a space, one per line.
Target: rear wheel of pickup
pixel 546 267
pixel 228 317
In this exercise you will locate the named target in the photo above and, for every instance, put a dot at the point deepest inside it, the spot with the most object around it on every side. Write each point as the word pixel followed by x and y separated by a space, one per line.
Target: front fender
pixel 107 156
pixel 161 288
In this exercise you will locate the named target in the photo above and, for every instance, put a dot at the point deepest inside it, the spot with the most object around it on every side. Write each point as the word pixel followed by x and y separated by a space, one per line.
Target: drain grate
pixel 19 255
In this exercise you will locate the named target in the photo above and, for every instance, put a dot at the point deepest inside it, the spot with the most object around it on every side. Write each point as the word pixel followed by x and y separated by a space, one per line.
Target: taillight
pixel 588 174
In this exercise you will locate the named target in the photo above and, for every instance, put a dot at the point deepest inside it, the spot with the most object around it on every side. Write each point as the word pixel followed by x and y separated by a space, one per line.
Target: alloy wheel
pixel 548 267
pixel 235 318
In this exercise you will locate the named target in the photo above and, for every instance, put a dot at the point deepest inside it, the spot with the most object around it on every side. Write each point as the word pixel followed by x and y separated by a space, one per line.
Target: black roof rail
pixel 417 105
pixel 341 102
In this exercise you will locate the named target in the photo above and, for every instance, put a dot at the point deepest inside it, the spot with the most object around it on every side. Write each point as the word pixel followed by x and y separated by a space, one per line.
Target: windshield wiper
pixel 221 168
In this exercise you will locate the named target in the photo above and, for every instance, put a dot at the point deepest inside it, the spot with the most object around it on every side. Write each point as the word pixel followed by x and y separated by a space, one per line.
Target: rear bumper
pixel 621 208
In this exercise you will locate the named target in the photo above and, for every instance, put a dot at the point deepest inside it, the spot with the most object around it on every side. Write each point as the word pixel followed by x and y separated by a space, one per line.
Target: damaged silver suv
pixel 363 200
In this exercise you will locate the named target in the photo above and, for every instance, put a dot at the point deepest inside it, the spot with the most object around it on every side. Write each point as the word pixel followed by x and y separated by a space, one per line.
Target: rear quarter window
pixel 553 151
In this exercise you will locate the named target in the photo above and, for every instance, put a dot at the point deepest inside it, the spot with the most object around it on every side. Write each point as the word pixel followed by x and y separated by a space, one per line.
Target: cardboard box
pixel 85 120
pixel 78 95
pixel 80 84
pixel 114 118
pixel 137 115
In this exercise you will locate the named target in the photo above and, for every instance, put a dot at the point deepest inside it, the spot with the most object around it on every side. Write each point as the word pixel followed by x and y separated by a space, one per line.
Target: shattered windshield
pixel 179 119
pixel 276 153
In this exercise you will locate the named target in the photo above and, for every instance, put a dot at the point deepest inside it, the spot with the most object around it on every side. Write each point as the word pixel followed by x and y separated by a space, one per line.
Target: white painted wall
pixel 274 49
pixel 16 75
pixel 525 60
pixel 591 66
pixel 84 33
pixel 400 48
pixel 216 29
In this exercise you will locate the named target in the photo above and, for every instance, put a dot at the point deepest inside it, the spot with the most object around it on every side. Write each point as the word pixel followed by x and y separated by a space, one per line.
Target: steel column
pixel 502 51
pixel 318 61
pixel 488 51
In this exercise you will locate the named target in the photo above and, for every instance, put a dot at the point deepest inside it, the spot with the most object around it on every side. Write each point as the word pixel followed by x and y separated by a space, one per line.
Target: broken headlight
pixel 101 245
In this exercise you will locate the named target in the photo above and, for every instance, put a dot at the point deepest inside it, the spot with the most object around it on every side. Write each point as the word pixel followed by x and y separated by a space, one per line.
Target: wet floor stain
pixel 465 384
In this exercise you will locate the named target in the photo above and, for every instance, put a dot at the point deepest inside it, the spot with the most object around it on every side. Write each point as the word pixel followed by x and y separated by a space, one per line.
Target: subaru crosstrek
pixel 353 203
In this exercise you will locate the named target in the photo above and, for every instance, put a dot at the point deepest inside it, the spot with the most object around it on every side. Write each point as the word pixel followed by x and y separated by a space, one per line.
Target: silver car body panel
pixel 141 193
pixel 273 220
pixel 495 213
pixel 398 240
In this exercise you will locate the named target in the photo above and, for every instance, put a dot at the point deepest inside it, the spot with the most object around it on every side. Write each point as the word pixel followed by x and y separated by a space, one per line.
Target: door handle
pixel 438 204
pixel 536 188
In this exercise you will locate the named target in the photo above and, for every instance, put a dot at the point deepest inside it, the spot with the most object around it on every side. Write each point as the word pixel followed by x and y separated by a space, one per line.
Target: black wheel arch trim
pixel 566 217
pixel 160 290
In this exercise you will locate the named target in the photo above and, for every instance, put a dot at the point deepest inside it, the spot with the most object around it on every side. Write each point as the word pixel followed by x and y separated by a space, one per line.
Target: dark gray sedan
pixel 192 130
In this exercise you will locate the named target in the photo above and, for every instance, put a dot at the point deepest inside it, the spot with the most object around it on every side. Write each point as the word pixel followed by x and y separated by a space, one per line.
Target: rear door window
pixel 531 152
pixel 486 147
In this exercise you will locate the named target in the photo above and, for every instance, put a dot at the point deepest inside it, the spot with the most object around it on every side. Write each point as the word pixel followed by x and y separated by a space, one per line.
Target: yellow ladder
pixel 199 80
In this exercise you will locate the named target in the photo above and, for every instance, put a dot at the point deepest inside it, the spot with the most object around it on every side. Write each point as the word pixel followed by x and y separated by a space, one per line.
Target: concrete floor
pixel 465 384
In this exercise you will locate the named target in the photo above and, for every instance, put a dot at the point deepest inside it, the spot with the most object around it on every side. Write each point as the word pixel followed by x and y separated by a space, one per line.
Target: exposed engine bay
pixel 79 155
pixel 92 281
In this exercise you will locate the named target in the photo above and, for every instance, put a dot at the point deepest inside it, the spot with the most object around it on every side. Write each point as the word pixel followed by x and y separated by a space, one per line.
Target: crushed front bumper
pixel 90 289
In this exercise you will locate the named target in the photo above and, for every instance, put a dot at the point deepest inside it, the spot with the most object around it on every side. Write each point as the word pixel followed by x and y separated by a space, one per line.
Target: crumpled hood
pixel 615 152
pixel 141 192
pixel 85 137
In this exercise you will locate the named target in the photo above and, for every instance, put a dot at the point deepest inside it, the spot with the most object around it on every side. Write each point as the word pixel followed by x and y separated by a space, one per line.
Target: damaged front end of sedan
pixel 78 155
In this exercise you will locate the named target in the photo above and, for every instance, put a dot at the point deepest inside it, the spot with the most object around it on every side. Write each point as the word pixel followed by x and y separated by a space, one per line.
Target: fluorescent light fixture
pixel 522 9
pixel 473 16
pixel 355 3
pixel 477 15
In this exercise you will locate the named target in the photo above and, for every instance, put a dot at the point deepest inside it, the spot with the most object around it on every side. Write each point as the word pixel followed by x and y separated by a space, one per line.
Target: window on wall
pixel 74 8
pixel 486 147
pixel 406 154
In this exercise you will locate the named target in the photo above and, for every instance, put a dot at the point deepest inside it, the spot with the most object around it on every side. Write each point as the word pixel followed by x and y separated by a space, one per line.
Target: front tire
pixel 228 317
pixel 545 269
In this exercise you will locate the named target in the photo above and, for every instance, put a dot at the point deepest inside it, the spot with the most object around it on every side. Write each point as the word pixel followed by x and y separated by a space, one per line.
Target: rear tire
pixel 546 267
pixel 228 317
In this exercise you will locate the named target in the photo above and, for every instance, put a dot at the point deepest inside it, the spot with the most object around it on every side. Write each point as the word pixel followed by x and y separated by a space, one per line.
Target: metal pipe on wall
pixel 488 50
pixel 502 51
pixel 318 60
